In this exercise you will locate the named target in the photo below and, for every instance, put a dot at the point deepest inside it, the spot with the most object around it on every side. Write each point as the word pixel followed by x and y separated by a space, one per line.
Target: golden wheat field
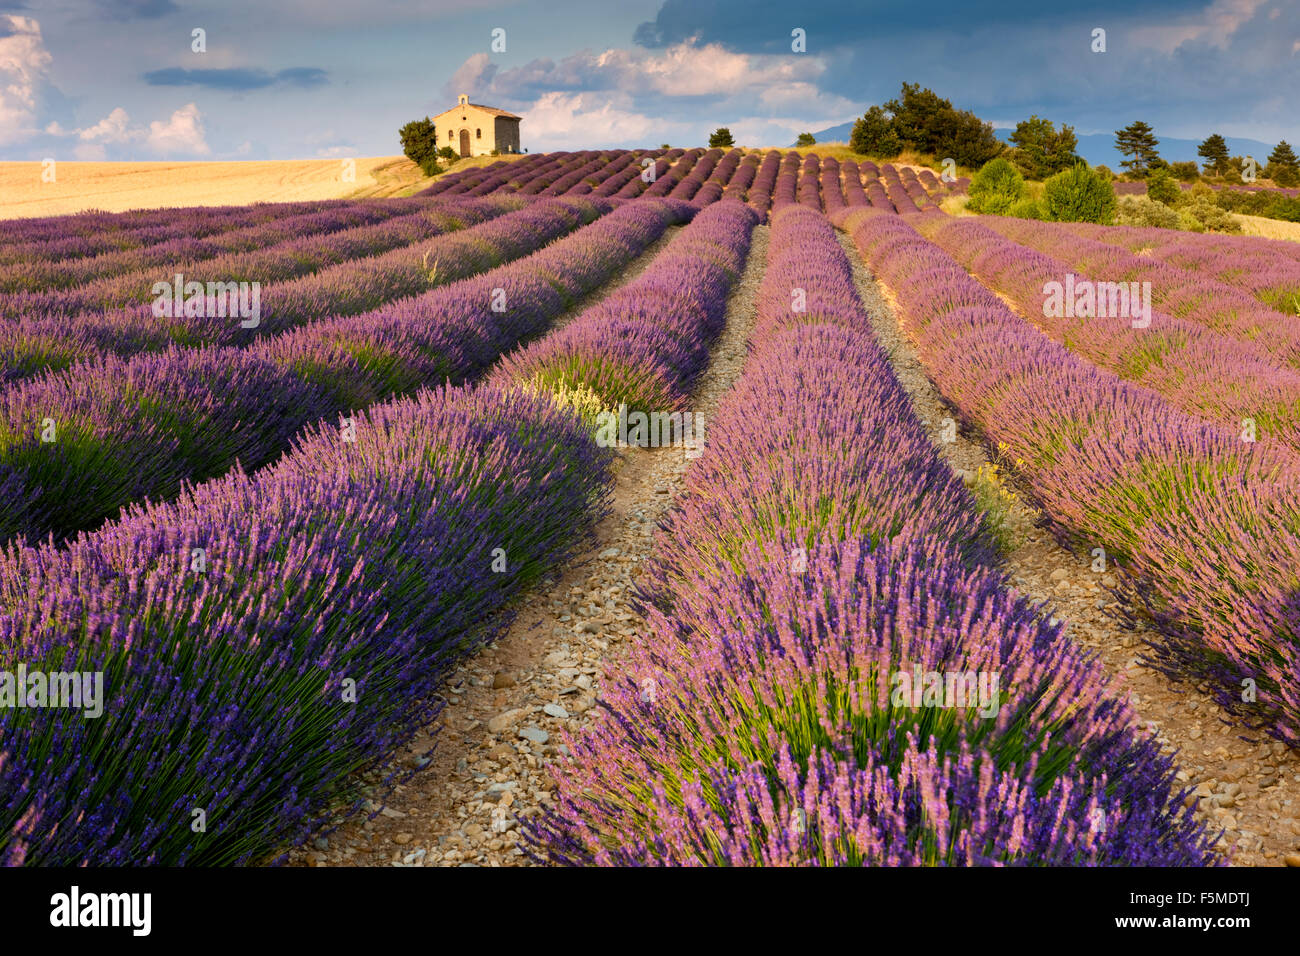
pixel 118 186
pixel 1268 228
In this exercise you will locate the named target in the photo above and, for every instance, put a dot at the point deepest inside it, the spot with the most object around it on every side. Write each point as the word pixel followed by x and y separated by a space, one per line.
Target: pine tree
pixel 721 137
pixel 1040 150
pixel 1138 141
pixel 1215 153
pixel 1283 166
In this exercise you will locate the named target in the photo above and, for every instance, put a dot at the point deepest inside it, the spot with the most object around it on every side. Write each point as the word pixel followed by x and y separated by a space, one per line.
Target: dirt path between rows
pixel 507 704
pixel 1248 788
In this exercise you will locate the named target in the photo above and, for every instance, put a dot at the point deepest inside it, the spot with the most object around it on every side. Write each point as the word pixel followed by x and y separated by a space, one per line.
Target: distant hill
pixel 835 134
pixel 1099 148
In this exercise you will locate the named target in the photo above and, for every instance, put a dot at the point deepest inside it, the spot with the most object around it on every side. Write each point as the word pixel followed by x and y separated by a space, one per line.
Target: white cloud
pixel 583 120
pixel 712 70
pixel 182 133
pixel 621 96
pixel 683 70
pixel 474 74
pixel 113 128
pixel 24 62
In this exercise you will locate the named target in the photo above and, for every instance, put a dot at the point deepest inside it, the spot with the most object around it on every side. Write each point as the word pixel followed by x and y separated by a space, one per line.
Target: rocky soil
pixel 507 704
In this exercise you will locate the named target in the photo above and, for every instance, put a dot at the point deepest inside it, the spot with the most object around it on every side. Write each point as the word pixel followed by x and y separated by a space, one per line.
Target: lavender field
pixel 647 507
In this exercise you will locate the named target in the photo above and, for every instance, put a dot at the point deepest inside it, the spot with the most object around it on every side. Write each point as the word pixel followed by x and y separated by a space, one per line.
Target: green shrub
pixel 1262 202
pixel 1041 149
pixel 419 141
pixel 430 167
pixel 1188 222
pixel 1162 187
pixel 1079 195
pixel 1146 212
pixel 805 139
pixel 996 188
pixel 1105 172
pixel 1028 208
pixel 1287 176
pixel 449 154
pixel 1188 172
pixel 874 135
pixel 1210 215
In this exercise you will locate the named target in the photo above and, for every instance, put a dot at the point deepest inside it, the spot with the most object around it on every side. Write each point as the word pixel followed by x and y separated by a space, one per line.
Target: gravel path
pixel 506 705
pixel 1247 788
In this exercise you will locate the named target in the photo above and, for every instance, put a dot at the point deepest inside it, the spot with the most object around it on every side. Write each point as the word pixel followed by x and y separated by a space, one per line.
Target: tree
pixel 721 137
pixel 419 141
pixel 1079 195
pixel 997 188
pixel 1040 150
pixel 928 123
pixel 1215 153
pixel 874 135
pixel 805 139
pixel 914 114
pixel 1162 187
pixel 1283 166
pixel 1138 141
pixel 1188 172
pixel 965 137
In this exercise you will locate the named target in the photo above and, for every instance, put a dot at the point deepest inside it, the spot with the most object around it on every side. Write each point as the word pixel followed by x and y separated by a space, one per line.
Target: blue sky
pixel 282 79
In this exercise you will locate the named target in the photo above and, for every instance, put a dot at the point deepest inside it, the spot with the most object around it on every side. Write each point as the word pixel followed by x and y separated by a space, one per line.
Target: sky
pixel 289 79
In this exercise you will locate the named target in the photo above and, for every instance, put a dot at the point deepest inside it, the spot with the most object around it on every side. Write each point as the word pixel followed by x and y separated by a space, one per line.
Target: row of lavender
pixel 823 548
pixel 1186 292
pixel 644 346
pixel 543 173
pixel 187 249
pixel 1268 269
pixel 263 638
pixel 1238 383
pixel 273 252
pixel 392 537
pixel 79 235
pixel 52 332
pixel 84 442
pixel 461 237
pixel 1206 524
pixel 781 179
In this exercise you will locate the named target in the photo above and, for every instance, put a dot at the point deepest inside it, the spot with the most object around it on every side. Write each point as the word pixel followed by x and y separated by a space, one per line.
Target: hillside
pixel 116 187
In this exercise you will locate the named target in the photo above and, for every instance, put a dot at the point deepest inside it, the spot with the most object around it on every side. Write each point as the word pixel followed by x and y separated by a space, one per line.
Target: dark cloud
pixel 765 25
pixel 136 9
pixel 238 79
